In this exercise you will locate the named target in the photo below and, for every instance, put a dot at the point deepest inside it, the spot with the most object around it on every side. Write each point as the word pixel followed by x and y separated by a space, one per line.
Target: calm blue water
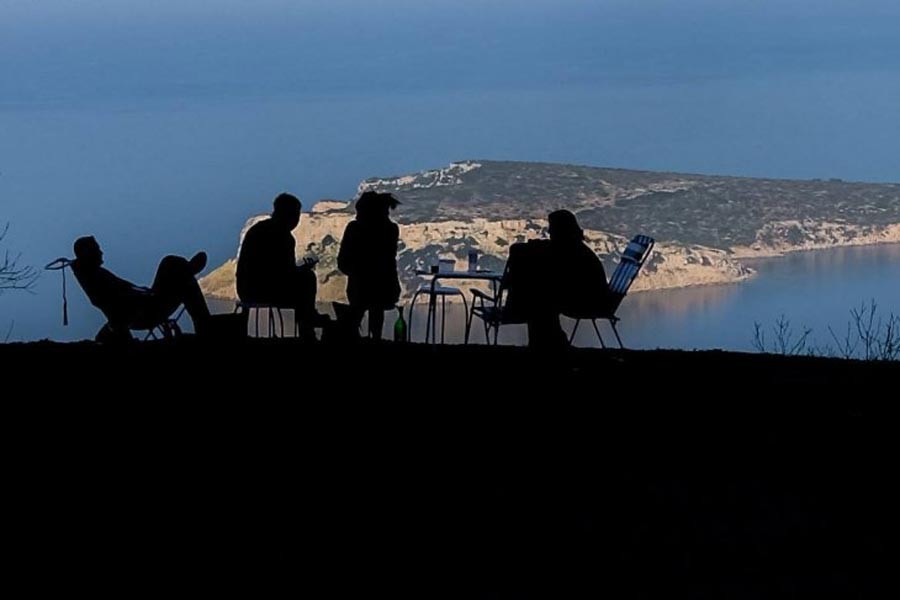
pixel 160 127
pixel 811 290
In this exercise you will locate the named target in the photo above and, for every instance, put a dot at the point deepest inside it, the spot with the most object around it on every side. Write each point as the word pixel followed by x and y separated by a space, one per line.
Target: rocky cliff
pixel 703 224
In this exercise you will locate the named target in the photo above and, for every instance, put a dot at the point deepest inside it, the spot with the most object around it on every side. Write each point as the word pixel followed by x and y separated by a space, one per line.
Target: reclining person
pixel 267 272
pixel 127 305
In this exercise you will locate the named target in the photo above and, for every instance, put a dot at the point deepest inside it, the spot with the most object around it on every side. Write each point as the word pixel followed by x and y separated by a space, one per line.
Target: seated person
pixel 129 306
pixel 267 272
pixel 547 278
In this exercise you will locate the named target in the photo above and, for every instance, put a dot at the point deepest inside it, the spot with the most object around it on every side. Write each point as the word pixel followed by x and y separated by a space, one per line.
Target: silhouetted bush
pixel 868 336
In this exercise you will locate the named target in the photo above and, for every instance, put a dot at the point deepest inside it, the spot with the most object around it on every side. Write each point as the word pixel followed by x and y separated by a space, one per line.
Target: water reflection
pixel 680 302
pixel 813 289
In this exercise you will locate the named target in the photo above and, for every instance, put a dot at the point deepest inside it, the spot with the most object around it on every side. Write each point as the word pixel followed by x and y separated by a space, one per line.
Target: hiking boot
pixel 197 263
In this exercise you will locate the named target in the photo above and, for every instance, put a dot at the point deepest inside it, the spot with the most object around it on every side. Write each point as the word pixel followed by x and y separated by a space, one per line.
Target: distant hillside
pixel 704 224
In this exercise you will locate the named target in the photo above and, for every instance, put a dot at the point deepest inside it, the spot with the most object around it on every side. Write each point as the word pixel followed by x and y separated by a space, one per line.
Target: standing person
pixel 368 256
pixel 267 271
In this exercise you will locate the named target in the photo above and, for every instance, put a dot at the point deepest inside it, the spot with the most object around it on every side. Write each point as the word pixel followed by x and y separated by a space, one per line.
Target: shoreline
pixel 749 253
pixel 747 261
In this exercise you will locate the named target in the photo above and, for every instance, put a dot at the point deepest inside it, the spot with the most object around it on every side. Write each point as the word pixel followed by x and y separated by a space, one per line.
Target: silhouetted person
pixel 546 278
pixel 127 305
pixel 368 256
pixel 267 272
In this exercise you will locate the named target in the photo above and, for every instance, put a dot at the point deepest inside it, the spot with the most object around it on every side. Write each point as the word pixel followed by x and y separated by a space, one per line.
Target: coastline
pixel 745 257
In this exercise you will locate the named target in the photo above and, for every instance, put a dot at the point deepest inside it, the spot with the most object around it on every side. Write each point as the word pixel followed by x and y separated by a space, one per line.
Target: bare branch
pixel 759 337
pixel 785 341
pixel 14 276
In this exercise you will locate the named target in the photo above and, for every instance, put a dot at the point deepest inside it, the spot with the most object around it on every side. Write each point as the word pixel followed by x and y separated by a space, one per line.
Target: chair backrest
pixel 630 264
pixel 513 314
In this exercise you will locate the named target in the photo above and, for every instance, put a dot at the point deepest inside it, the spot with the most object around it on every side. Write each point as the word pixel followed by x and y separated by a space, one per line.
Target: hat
pixel 564 226
pixel 370 200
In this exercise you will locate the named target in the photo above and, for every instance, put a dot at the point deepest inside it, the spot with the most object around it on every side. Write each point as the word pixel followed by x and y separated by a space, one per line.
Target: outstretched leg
pixel 175 283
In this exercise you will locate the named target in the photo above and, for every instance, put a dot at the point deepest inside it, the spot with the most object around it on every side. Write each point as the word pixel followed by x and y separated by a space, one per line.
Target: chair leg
pixel 616 331
pixel 574 329
pixel 428 328
pixel 412 307
pixel 597 329
pixel 429 317
pixel 443 317
pixel 433 305
pixel 468 319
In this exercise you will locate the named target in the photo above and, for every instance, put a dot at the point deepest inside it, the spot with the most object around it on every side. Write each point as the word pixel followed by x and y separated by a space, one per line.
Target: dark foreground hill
pixel 471 472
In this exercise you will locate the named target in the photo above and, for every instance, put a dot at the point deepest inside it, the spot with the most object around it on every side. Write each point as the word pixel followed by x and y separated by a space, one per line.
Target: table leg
pixel 443 316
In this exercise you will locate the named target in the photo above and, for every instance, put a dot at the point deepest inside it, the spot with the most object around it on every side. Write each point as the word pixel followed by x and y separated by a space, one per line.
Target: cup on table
pixel 446 265
pixel 434 268
pixel 473 261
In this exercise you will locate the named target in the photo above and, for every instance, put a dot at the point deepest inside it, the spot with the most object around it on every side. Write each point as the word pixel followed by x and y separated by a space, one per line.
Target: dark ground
pixel 472 472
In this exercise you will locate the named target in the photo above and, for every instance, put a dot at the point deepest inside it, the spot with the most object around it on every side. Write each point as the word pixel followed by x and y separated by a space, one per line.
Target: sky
pixel 71 51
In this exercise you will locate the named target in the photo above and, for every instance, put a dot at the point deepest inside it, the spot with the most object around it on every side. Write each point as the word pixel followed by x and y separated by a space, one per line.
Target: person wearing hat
pixel 368 256
pixel 579 279
pixel 547 278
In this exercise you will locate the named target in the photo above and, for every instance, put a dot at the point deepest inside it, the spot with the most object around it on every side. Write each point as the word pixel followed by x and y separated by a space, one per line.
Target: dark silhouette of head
pixel 375 205
pixel 287 210
pixel 87 252
pixel 564 227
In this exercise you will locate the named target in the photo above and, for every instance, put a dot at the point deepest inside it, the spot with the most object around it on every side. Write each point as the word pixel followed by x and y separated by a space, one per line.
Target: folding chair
pixel 165 326
pixel 490 309
pixel 630 263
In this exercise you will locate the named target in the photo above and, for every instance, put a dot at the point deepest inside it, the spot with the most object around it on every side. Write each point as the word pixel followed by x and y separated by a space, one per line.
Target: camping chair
pixel 166 327
pixel 490 309
pixel 630 263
